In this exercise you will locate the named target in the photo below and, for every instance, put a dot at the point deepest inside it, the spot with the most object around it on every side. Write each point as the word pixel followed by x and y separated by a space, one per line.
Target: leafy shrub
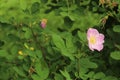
pixel 58 50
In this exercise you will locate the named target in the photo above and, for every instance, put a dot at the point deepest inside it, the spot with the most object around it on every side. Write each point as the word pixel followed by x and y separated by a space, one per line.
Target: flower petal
pixel 98 47
pixel 100 39
pixel 90 46
pixel 92 32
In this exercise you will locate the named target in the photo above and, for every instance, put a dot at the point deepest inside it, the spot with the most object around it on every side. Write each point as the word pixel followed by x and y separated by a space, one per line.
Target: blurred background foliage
pixel 59 51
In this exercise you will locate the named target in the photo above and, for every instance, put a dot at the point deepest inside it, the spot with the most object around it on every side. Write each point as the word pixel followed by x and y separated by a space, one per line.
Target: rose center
pixel 92 40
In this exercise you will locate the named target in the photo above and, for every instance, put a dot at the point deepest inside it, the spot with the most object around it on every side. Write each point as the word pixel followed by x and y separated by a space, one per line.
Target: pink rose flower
pixel 95 39
pixel 43 23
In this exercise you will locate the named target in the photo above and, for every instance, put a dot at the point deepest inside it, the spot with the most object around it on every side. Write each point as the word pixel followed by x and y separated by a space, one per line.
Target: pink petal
pixel 90 46
pixel 98 47
pixel 92 32
pixel 100 39
pixel 43 25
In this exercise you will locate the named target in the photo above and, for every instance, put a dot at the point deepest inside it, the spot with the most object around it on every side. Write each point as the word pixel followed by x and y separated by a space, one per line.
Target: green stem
pixel 67 5
pixel 38 44
pixel 73 1
pixel 78 60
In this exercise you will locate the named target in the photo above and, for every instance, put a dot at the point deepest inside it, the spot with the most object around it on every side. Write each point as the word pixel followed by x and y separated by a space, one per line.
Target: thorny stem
pixel 38 44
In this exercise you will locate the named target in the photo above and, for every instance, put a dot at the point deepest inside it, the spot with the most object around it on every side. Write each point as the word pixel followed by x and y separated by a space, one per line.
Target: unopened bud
pixel 43 23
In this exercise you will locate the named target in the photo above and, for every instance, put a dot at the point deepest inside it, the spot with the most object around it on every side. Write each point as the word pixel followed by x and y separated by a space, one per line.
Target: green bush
pixel 59 50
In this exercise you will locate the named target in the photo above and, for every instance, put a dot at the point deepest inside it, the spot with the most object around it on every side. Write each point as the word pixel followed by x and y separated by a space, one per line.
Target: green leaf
pixel 53 24
pixel 31 53
pixel 69 43
pixel 35 77
pixel 14 49
pixel 58 77
pixel 39 54
pixel 110 78
pixel 35 7
pixel 116 28
pixel 82 36
pixel 66 53
pixel 65 74
pixel 82 72
pixel 90 74
pixel 12 3
pixel 99 75
pixel 42 70
pixel 58 41
pixel 28 32
pixel 115 55
pixel 86 63
pixel 19 71
pixel 23 4
pixel 3 53
pixel 85 21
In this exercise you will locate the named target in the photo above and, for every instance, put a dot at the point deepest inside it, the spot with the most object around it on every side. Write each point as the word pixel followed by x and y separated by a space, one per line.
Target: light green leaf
pixel 110 78
pixel 53 24
pixel 69 43
pixel 66 53
pixel 58 77
pixel 90 74
pixel 19 71
pixel 31 53
pixel 65 74
pixel 3 53
pixel 28 32
pixel 12 3
pixel 82 36
pixel 58 41
pixel 86 63
pixel 39 54
pixel 86 20
pixel 42 70
pixel 99 75
pixel 23 4
pixel 35 77
pixel 115 55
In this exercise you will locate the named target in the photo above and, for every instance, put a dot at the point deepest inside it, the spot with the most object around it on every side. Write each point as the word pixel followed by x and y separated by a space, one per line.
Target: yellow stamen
pixel 92 40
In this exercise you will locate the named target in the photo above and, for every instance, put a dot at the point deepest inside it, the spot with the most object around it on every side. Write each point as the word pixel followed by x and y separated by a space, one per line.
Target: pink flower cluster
pixel 95 39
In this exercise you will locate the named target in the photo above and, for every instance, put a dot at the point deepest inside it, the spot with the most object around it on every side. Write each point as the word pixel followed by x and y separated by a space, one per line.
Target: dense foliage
pixel 58 50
